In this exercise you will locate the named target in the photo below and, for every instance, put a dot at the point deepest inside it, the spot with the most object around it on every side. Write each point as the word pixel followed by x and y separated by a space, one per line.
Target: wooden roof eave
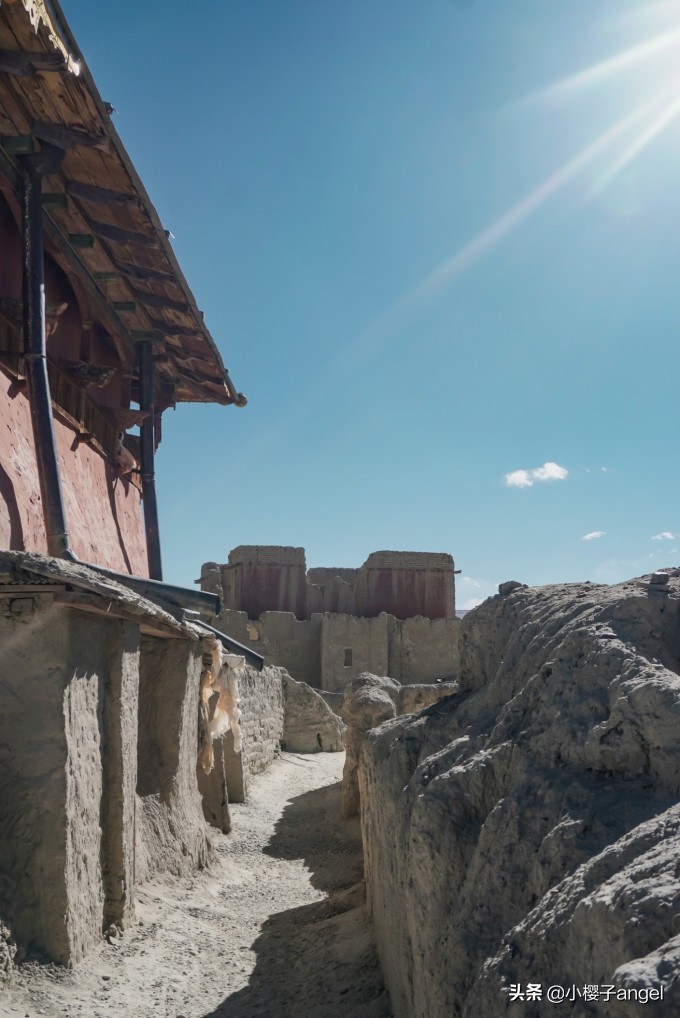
pixel 217 385
pixel 161 234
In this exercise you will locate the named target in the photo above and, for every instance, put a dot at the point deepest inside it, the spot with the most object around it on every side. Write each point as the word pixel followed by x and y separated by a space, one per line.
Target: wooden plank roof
pixel 98 213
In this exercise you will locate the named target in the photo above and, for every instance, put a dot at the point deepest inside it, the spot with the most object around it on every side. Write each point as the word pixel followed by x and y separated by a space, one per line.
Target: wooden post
pixel 147 449
pixel 35 353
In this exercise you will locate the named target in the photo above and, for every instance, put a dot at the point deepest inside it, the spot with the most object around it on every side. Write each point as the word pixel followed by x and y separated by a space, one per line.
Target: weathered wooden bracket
pixel 81 240
pixel 119 235
pixel 169 329
pixel 68 137
pixel 54 200
pixel 99 195
pixel 25 64
pixel 143 272
pixel 18 144
pixel 152 300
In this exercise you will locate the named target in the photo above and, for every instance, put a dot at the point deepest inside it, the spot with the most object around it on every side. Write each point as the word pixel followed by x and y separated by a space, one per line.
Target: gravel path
pixel 276 928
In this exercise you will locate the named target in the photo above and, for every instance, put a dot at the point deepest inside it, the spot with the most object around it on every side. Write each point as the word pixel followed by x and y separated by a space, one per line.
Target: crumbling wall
pixel 63 747
pixel 8 952
pixel 281 639
pixel 367 701
pixel 171 832
pixel 406 584
pixel 422 649
pixel 262 724
pixel 260 578
pixel 526 829
pixel 350 646
pixel 310 725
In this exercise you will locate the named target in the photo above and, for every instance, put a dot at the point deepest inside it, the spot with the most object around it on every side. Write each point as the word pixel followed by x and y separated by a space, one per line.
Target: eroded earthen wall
pixel 526 829
pixel 65 769
pixel 261 695
pixel 350 645
pixel 422 650
pixel 265 578
pixel 171 831
pixel 281 639
pixel 405 584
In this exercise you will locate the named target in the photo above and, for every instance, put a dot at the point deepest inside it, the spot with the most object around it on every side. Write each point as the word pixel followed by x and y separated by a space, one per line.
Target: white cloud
pixel 604 470
pixel 477 584
pixel 471 603
pixel 665 535
pixel 525 478
pixel 550 472
pixel 593 535
pixel 518 479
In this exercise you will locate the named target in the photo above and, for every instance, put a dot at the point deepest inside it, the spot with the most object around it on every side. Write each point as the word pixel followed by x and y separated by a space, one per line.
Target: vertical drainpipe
pixel 147 443
pixel 35 352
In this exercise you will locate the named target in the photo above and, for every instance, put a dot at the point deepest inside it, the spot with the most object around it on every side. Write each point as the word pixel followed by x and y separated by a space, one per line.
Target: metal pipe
pixel 35 352
pixel 156 591
pixel 147 450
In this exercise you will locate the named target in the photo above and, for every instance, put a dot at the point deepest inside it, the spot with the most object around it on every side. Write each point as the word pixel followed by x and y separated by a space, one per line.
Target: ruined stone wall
pixel 310 724
pixel 261 695
pixel 351 645
pixel 281 639
pixel 270 578
pixel 421 650
pixel 526 829
pixel 265 578
pixel 406 584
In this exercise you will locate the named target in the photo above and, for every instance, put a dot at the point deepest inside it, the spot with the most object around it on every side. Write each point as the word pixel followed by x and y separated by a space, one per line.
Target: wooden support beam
pixel 25 63
pixel 171 329
pixel 81 239
pixel 120 236
pixel 153 300
pixel 54 200
pixel 106 277
pixel 99 195
pixel 143 336
pixel 18 144
pixel 68 137
pixel 124 305
pixel 143 272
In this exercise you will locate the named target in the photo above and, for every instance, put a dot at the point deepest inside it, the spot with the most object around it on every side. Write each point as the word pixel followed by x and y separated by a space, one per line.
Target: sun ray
pixel 607 68
pixel 519 212
pixel 648 135
pixel 372 338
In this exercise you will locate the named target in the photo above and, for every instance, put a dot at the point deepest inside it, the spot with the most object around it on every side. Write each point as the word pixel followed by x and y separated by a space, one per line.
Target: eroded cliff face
pixel 525 830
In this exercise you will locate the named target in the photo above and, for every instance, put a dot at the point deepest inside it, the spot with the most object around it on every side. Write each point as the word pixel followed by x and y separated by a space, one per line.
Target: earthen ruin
pixel 395 615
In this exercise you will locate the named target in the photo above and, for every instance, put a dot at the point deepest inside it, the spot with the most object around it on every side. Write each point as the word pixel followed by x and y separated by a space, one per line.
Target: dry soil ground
pixel 275 928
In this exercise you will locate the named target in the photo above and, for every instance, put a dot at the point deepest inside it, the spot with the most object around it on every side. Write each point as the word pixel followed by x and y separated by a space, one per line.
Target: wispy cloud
pixel 665 535
pixel 525 478
pixel 471 603
pixel 593 535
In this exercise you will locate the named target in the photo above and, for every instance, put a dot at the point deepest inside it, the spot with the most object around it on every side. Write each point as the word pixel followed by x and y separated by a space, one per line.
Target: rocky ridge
pixel 526 828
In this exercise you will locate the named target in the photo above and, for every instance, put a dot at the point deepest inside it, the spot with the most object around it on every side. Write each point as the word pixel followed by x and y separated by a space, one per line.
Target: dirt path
pixel 276 928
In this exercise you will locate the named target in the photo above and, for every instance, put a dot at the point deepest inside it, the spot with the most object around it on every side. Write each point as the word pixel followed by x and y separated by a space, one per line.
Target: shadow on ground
pixel 319 960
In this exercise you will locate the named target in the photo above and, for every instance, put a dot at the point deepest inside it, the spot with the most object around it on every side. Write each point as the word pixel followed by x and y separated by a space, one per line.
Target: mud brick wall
pixel 261 695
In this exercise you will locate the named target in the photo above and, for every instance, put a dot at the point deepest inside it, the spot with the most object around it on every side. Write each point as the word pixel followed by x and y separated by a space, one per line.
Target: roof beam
pixel 99 195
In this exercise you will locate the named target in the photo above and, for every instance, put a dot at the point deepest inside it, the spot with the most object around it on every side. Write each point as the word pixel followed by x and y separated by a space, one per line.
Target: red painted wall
pixel 103 512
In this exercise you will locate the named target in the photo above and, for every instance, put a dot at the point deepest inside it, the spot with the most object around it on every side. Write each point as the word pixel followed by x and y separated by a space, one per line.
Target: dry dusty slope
pixel 276 928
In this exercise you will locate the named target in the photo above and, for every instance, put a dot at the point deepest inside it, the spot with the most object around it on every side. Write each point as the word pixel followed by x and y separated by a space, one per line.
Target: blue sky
pixel 440 256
